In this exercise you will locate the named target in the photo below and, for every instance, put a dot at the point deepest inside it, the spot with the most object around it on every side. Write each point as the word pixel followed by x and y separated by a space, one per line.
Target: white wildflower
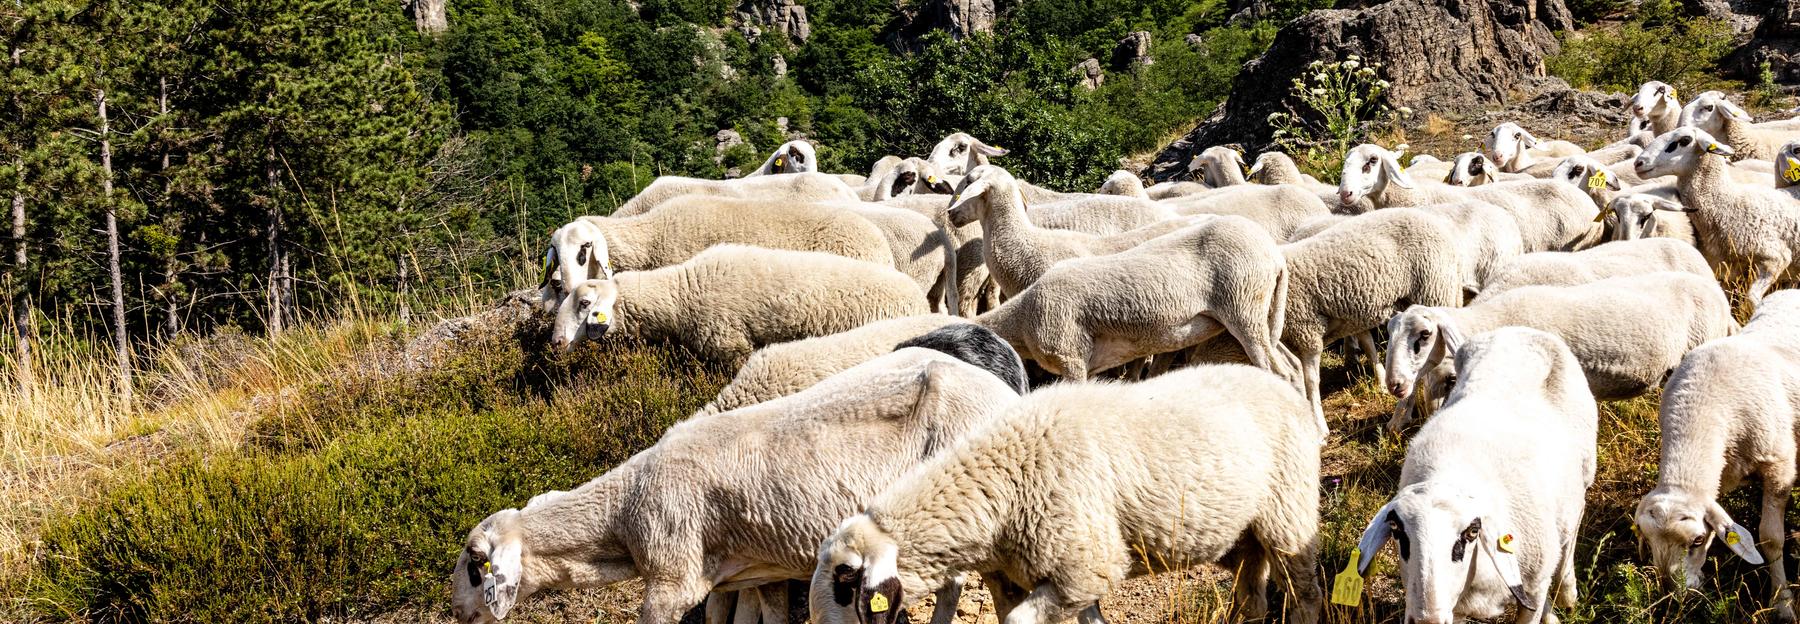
pixel 1318 92
pixel 1351 64
pixel 1405 111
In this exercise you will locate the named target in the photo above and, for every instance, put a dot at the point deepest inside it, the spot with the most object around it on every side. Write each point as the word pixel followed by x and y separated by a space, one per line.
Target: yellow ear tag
pixel 1506 543
pixel 1712 147
pixel 1731 538
pixel 1348 587
pixel 1597 180
pixel 1793 170
pixel 780 161
pixel 1672 94
pixel 487 566
pixel 599 317
pixel 931 179
pixel 878 603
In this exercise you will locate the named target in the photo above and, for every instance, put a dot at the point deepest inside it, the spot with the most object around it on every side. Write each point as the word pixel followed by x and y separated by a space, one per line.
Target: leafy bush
pixel 1343 105
pixel 1651 47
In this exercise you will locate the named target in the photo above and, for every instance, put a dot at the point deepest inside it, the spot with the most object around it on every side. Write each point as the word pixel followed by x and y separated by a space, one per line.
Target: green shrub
pixel 1674 50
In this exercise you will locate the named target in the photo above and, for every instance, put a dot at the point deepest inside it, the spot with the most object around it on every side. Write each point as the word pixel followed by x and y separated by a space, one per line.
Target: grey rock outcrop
pixel 783 16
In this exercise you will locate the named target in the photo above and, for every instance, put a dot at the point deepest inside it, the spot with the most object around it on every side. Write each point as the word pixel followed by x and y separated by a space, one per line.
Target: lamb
pixel 1088 315
pixel 791 157
pixel 1501 477
pixel 1016 251
pixel 1728 413
pixel 1278 209
pixel 1124 183
pixel 1621 360
pixel 1716 116
pixel 1517 151
pixel 1736 224
pixel 959 153
pixel 794 187
pixel 733 500
pixel 1352 277
pixel 922 248
pixel 782 369
pixel 1474 169
pixel 1550 215
pixel 595 247
pixel 1075 510
pixel 732 299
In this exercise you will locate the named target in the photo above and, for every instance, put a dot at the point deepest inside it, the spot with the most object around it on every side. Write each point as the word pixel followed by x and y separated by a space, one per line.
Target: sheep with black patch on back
pixel 1493 488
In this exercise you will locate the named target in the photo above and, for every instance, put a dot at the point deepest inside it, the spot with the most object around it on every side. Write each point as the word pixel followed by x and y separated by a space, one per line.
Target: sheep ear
pixel 1734 111
pixel 988 150
pixel 1395 174
pixel 845 583
pixel 1373 538
pixel 1254 168
pixel 967 194
pixel 1715 147
pixel 1507 567
pixel 1737 538
pixel 1669 206
pixel 1530 140
pixel 1452 338
pixel 500 578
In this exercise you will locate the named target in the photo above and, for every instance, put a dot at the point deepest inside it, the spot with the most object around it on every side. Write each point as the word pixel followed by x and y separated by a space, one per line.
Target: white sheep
pixel 595 247
pixel 1658 105
pixel 1100 215
pixel 1729 413
pixel 1642 215
pixel 1620 259
pixel 1055 504
pixel 787 186
pixel 1716 116
pixel 733 500
pixel 1634 207
pixel 1088 315
pixel 923 248
pixel 791 157
pixel 1621 359
pixel 1016 251
pixel 1220 166
pixel 1279 168
pixel 959 153
pixel 1518 151
pixel 1493 489
pixel 1551 215
pixel 1279 209
pixel 732 299
pixel 913 175
pixel 784 368
pixel 1475 169
pixel 1735 224
pixel 1124 183
pixel 1486 239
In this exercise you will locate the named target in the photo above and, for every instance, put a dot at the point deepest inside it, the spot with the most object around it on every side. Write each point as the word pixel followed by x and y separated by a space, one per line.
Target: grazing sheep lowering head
pixel 1708 111
pixel 1470 168
pixel 489 574
pixel 577 253
pixel 1419 337
pixel 970 201
pixel 857 580
pixel 980 347
pixel 1654 99
pixel 1219 166
pixel 960 153
pixel 792 157
pixel 1635 214
pixel 1368 169
pixel 1447 538
pixel 1678 152
pixel 586 314
pixel 1507 143
pixel 1678 527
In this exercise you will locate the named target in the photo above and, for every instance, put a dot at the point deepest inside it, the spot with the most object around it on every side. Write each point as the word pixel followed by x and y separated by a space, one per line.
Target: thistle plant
pixel 1341 104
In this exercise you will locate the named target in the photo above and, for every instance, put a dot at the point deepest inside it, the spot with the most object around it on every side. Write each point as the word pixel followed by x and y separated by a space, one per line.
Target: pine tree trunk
pixel 400 289
pixel 21 297
pixel 171 325
pixel 121 344
pixel 277 263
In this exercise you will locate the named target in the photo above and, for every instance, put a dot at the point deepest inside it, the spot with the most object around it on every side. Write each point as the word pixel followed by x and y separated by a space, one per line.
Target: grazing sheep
pixel 1620 259
pixel 1493 489
pixel 732 299
pixel 1728 414
pixel 1351 277
pixel 960 153
pixel 980 347
pixel 1716 116
pixel 1736 224
pixel 1517 151
pixel 782 369
pixel 1474 169
pixel 1277 168
pixel 791 157
pixel 1016 251
pixel 1551 215
pixel 1641 215
pixel 733 500
pixel 923 249
pixel 1621 360
pixel 1124 183
pixel 1279 209
pixel 1610 185
pixel 1088 315
pixel 1055 504
pixel 595 247
pixel 791 187
pixel 1486 239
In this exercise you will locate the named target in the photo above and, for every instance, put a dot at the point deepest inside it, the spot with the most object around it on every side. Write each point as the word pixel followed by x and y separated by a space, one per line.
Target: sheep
pixel 1475 169
pixel 1351 277
pixel 1427 166
pixel 1278 209
pixel 1016 251
pixel 732 500
pixel 881 167
pixel 1278 168
pixel 1500 476
pixel 1621 360
pixel 1658 105
pixel 1220 167
pixel 732 299
pixel 1620 259
pixel 959 153
pixel 1550 215
pixel 1088 315
pixel 1124 183
pixel 1100 215
pixel 1728 413
pixel 1486 239
pixel 791 157
pixel 1173 189
pixel 1718 117
pixel 980 347
pixel 923 249
pixel 595 247
pixel 1758 226
pixel 1632 203
pixel 782 369
pixel 1517 151
pixel 913 175
pixel 1640 215
pixel 1055 505
pixel 782 187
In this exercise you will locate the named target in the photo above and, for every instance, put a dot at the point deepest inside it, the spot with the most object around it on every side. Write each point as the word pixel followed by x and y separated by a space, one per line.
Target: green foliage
pixel 1766 92
pixel 354 501
pixel 1343 106
pixel 1656 45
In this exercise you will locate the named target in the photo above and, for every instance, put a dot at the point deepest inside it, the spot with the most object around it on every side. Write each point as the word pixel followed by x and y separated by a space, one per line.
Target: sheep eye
pixel 1368 166
pixel 585 303
pixel 1699 540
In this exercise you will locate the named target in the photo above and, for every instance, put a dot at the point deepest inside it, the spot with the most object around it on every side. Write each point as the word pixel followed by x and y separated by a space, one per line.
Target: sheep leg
pixel 1309 368
pixel 1287 542
pixel 1254 336
pixel 1778 484
pixel 718 607
pixel 667 598
pixel 1766 272
pixel 1007 595
pixel 749 607
pixel 1249 582
pixel 1365 342
pixel 1092 615
pixel 1043 606
pixel 1403 413
pixel 1566 592
pixel 774 598
pixel 947 597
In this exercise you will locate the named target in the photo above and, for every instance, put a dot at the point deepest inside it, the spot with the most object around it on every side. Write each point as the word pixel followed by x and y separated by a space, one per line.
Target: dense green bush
pixel 1657 45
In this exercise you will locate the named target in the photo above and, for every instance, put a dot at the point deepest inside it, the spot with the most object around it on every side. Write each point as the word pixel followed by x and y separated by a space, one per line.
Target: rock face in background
pixel 1775 38
pixel 1439 55
pixel 1132 52
pixel 429 15
pixel 959 17
pixel 783 16
pixel 1088 74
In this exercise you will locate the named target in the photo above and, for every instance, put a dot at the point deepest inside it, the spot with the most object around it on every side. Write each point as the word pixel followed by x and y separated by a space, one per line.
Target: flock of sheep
pixel 881 439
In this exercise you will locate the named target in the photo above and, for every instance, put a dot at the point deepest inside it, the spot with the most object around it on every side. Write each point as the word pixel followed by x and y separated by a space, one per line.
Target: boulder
pixel 783 16
pixel 1132 52
pixel 429 16
pixel 960 18
pixel 1088 74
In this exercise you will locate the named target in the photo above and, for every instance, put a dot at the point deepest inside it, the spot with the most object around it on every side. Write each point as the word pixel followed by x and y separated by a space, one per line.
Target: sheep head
pixel 1635 214
pixel 974 197
pixel 912 176
pixel 1654 98
pixel 1678 152
pixel 1470 169
pixel 1586 174
pixel 960 153
pixel 489 574
pixel 1787 165
pixel 1368 169
pixel 1220 166
pixel 857 579
pixel 1678 527
pixel 1272 168
pixel 1451 540
pixel 1709 112
pixel 1419 338
pixel 1123 183
pixel 586 314
pixel 1507 143
pixel 793 157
